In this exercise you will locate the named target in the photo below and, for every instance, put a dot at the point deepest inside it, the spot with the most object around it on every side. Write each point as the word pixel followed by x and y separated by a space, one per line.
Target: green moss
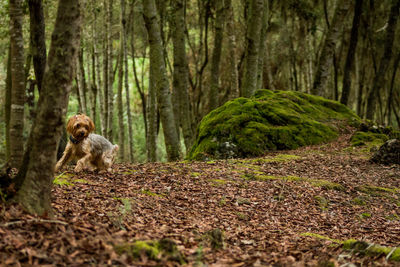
pixel 218 182
pixel 149 193
pixel 271 120
pixel 63 179
pixel 368 249
pixel 368 139
pixel 360 201
pixel 365 215
pixel 277 158
pixel 318 236
pixel 154 250
pixel 313 182
pixel 322 202
pixel 195 174
pixel 377 191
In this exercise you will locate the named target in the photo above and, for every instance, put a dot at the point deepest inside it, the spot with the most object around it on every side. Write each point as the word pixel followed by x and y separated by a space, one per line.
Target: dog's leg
pixel 66 157
pixel 83 162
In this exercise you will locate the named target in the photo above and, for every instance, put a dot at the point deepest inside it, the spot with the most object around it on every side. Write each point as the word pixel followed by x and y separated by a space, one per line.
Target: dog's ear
pixel 115 148
pixel 91 125
pixel 70 124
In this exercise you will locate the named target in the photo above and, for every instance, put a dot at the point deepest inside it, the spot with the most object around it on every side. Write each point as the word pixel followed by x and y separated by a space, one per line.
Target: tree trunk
pixel 181 75
pixel 216 55
pixel 350 53
pixel 390 101
pixel 17 83
pixel 252 48
pixel 106 77
pixel 7 107
pixel 110 96
pixel 151 105
pixel 379 78
pixel 82 83
pixel 323 71
pixel 126 81
pixel 121 126
pixel 160 78
pixel 37 39
pixel 263 45
pixel 35 191
pixel 230 31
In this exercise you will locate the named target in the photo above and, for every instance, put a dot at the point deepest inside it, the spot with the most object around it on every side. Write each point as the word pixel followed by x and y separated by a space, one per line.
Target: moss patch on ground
pixel 66 179
pixel 271 120
pixel 313 182
pixel 154 250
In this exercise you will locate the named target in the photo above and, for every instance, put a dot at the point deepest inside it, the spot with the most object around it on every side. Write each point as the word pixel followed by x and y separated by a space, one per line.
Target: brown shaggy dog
pixel 79 127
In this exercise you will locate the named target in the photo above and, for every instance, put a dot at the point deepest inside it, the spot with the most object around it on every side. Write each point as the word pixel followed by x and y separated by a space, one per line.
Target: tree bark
pixel 157 63
pixel 37 39
pixel 82 83
pixel 7 107
pixel 126 81
pixel 121 128
pixel 230 31
pixel 350 53
pixel 17 83
pixel 263 45
pixel 216 55
pixel 323 71
pixel 110 96
pixel 379 78
pixel 252 48
pixel 35 191
pixel 180 75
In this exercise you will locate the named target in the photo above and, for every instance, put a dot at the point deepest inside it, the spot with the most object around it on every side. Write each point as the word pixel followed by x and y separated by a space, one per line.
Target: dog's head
pixel 80 126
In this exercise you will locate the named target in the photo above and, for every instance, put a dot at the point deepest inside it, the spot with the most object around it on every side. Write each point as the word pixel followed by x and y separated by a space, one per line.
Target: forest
pixel 242 133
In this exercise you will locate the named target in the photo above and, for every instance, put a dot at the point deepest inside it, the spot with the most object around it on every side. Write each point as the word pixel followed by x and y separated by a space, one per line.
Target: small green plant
pixel 365 215
pixel 322 202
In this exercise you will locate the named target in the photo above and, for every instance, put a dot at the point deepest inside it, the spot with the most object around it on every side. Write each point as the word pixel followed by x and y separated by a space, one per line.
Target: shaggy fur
pixel 91 151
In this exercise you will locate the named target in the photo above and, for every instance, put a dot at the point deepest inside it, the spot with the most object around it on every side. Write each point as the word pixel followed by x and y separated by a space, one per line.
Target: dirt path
pixel 288 208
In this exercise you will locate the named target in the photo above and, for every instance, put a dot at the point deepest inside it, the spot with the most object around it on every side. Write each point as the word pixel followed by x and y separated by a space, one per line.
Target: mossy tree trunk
pixel 17 83
pixel 34 193
pixel 263 45
pixel 254 26
pixel 379 78
pixel 181 75
pixel 160 80
pixel 324 67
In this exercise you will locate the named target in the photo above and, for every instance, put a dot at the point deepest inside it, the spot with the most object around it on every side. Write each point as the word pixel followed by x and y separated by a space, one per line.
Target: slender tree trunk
pixel 216 55
pixel 234 75
pixel 126 81
pixel 8 104
pixel 37 39
pixel 34 194
pixel 161 80
pixel 93 85
pixel 82 83
pixel 18 83
pixel 106 77
pixel 350 53
pixel 151 137
pixel 263 45
pixel 181 75
pixel 323 71
pixel 390 100
pixel 252 48
pixel 110 97
pixel 379 78
pixel 121 128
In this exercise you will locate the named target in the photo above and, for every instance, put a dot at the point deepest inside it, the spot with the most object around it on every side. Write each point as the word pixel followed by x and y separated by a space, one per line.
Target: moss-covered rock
pixel 271 120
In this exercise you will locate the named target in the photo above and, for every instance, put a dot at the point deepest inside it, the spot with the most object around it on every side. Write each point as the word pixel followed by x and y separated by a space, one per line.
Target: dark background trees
pixel 207 53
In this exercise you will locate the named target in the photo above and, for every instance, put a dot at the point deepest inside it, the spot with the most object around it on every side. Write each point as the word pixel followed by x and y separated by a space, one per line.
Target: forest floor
pixel 289 208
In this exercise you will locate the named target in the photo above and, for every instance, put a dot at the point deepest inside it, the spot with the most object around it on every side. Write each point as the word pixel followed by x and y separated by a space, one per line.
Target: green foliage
pixel 271 120
pixel 368 139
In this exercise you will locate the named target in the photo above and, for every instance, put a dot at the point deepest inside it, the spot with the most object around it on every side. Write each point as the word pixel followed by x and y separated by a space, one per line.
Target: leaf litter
pixel 219 213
